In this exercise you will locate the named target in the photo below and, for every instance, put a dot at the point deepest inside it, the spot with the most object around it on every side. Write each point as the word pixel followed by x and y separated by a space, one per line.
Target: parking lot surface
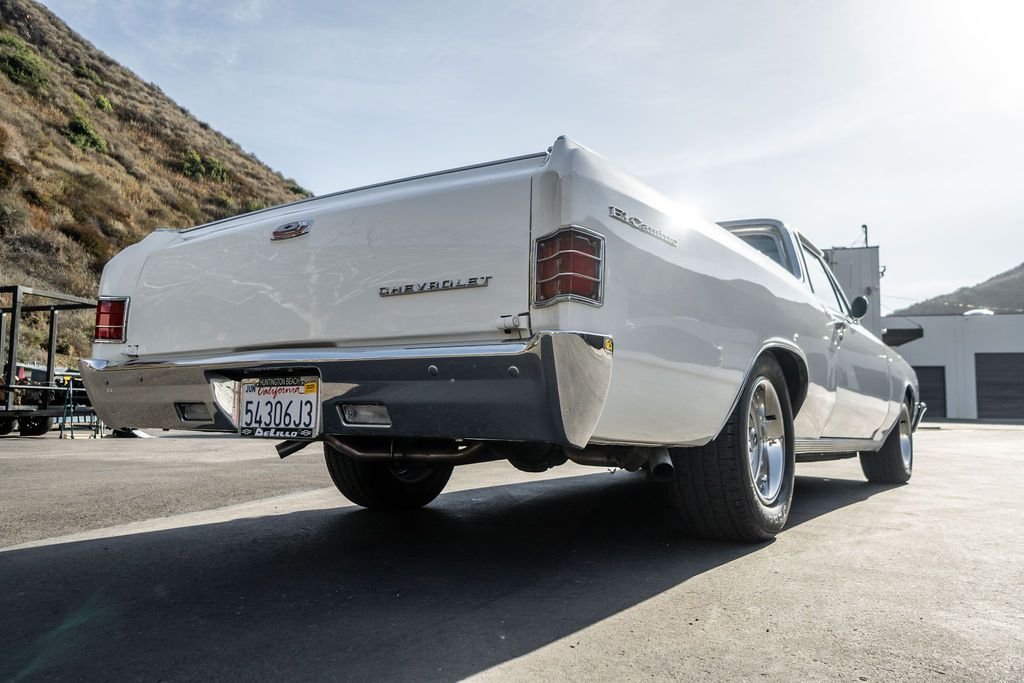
pixel 186 557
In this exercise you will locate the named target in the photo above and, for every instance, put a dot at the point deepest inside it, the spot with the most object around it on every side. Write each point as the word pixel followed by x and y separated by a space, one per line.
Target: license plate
pixel 279 407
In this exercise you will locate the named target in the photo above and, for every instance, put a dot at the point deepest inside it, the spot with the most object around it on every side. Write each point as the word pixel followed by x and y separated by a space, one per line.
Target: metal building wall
pixel 857 270
pixel 953 341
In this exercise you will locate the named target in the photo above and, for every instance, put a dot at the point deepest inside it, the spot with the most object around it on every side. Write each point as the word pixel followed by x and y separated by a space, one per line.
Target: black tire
pixel 888 465
pixel 714 488
pixel 384 485
pixel 34 426
pixel 6 426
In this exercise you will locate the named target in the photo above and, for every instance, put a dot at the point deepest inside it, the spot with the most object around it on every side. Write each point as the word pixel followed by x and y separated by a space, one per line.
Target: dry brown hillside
pixel 92 159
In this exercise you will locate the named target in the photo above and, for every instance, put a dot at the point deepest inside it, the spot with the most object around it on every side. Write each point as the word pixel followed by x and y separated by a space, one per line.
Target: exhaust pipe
pixel 660 464
pixel 286 448
pixel 387 450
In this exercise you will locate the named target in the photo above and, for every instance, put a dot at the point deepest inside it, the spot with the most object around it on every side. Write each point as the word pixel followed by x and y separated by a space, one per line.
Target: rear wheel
pixel 34 426
pixel 6 426
pixel 894 462
pixel 739 487
pixel 386 485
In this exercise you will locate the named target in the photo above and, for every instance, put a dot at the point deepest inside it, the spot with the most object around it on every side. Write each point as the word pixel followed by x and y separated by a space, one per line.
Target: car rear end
pixel 399 310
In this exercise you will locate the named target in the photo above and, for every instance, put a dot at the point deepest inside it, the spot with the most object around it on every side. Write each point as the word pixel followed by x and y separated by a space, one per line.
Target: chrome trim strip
pixel 776 229
pixel 308 357
pixel 555 277
pixel 568 251
pixel 300 202
pixel 825 457
pixel 826 445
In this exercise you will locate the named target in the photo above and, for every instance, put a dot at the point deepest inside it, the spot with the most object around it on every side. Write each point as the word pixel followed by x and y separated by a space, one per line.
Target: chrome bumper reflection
pixel 919 410
pixel 551 388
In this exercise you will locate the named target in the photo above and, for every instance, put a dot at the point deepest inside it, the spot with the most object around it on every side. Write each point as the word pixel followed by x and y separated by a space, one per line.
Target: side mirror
pixel 859 307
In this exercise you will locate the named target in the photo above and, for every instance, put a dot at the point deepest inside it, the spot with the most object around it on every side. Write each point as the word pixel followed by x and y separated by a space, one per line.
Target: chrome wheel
pixel 906 446
pixel 766 441
pixel 740 485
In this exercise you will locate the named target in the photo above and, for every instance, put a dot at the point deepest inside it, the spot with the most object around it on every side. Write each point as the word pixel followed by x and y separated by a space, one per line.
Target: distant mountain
pixel 1003 294
pixel 92 159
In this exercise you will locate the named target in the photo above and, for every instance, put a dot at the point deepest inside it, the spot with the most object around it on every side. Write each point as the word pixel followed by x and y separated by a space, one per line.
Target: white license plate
pixel 279 407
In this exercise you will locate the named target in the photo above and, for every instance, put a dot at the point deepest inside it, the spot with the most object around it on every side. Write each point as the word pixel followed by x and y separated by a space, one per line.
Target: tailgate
pixel 434 258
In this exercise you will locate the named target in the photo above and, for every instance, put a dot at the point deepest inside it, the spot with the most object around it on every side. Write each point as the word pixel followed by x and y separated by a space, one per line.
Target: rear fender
pixel 794 367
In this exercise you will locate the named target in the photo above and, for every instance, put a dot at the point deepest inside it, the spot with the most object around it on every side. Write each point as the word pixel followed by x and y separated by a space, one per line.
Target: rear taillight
pixel 111 320
pixel 569 266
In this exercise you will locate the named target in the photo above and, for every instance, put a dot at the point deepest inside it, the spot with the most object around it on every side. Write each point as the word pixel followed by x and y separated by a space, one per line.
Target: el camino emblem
pixel 637 224
pixel 436 286
pixel 291 230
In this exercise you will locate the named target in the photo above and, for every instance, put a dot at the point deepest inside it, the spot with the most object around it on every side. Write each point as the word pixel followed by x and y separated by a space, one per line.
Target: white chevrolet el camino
pixel 538 309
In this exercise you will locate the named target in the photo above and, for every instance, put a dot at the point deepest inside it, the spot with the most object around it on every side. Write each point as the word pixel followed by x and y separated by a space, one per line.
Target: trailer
pixel 30 401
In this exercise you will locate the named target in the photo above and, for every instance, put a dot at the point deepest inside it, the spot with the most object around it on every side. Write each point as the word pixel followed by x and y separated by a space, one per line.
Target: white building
pixel 859 274
pixel 969 366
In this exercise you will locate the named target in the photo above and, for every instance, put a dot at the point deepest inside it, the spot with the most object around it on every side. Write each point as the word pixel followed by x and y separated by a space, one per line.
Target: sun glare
pixel 975 47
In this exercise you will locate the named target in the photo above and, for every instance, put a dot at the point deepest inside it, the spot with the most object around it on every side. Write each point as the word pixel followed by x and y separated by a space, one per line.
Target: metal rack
pixel 49 399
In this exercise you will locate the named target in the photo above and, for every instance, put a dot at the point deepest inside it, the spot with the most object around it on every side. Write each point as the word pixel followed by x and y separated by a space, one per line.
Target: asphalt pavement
pixel 189 557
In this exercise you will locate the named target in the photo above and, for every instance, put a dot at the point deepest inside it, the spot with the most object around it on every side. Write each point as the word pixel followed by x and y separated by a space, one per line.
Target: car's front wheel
pixel 386 485
pixel 894 462
pixel 6 426
pixel 739 487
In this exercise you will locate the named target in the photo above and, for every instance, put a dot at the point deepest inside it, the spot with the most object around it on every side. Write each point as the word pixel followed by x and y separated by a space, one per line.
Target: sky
pixel 905 115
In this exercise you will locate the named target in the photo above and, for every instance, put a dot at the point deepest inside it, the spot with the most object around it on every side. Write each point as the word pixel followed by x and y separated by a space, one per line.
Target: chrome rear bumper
pixel 919 410
pixel 550 388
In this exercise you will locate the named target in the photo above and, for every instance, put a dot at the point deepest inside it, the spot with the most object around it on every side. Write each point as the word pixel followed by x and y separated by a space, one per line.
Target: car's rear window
pixel 765 244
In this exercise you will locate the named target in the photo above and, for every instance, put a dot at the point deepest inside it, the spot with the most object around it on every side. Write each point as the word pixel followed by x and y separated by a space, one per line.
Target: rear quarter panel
pixel 688 320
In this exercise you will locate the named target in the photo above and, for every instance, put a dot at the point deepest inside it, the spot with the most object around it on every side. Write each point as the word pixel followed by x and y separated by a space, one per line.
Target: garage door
pixel 1000 385
pixel 932 379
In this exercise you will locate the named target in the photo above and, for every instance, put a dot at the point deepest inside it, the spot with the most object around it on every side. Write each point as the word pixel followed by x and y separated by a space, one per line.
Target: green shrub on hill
pixel 196 166
pixel 216 170
pixel 9 40
pixel 84 72
pixel 192 164
pixel 81 133
pixel 223 201
pixel 21 64
pixel 103 104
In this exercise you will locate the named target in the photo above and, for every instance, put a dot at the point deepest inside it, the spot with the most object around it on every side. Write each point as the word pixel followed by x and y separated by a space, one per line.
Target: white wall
pixel 952 341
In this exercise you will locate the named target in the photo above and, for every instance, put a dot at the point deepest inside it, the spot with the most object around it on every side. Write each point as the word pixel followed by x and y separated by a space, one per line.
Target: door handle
pixel 838 331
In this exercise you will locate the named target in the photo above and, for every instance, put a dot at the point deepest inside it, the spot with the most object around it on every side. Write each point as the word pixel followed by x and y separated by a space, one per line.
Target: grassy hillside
pixel 1003 293
pixel 92 159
